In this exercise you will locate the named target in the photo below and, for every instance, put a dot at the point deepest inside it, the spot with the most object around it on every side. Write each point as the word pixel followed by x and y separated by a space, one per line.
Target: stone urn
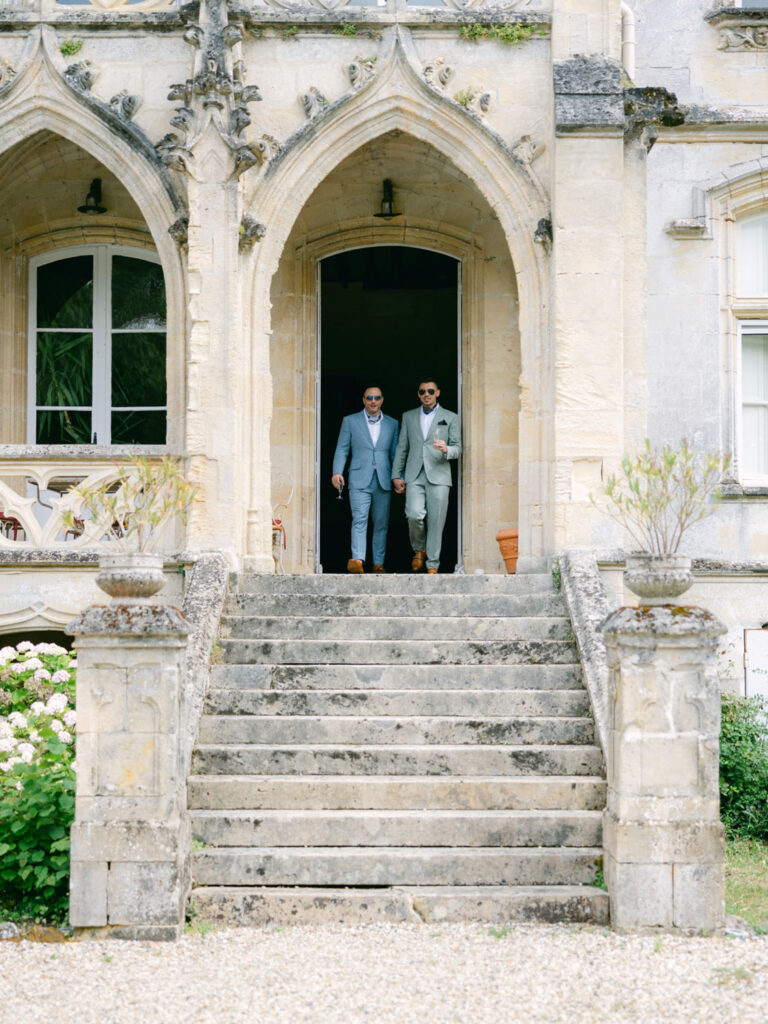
pixel 508 545
pixel 131 576
pixel 657 579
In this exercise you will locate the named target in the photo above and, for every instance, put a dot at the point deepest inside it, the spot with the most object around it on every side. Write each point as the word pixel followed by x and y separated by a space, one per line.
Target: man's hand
pixel 338 481
pixel 441 446
pixel 399 485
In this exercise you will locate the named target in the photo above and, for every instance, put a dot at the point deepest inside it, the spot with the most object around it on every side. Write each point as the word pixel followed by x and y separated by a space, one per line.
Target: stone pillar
pixel 662 836
pixel 130 840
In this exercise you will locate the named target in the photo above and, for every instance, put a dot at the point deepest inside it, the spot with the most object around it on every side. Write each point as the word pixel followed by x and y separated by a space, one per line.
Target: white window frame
pixel 102 331
pixel 745 328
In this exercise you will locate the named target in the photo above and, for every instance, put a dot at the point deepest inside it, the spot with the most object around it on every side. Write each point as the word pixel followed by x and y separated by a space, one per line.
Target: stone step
pixel 393 583
pixel 482 703
pixel 255 759
pixel 395 630
pixel 363 604
pixel 413 730
pixel 388 652
pixel 442 904
pixel 337 866
pixel 565 676
pixel 429 792
pixel 397 828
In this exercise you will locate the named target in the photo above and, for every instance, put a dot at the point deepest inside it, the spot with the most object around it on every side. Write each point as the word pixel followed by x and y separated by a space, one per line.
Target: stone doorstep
pixel 370 604
pixel 250 906
pixel 451 627
pixel 395 584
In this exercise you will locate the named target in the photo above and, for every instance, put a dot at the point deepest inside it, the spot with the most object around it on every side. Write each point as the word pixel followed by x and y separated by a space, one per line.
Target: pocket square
pixel 443 423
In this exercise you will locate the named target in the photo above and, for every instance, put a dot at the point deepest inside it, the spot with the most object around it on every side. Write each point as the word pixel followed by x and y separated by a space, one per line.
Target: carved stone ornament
pixel 314 102
pixel 526 150
pixel 125 105
pixel 646 109
pixel 80 76
pixel 438 73
pixel 216 93
pixel 7 73
pixel 477 101
pixel 179 232
pixel 361 71
pixel 251 231
pixel 543 233
pixel 744 37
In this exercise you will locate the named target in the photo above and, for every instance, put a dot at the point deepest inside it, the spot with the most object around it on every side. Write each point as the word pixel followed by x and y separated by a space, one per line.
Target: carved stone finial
pixel 125 105
pixel 526 150
pixel 438 73
pixel 361 71
pixel 251 231
pixel 80 76
pixel 314 102
pixel 179 232
pixel 216 93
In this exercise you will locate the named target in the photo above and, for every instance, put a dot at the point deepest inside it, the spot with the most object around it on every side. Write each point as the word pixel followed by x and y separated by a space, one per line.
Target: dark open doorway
pixel 389 316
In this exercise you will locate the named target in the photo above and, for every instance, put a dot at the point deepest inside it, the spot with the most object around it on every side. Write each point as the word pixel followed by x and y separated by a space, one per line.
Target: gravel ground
pixel 433 974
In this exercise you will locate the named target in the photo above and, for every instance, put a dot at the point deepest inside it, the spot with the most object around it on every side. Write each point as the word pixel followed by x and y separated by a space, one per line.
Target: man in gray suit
pixel 371 438
pixel 429 437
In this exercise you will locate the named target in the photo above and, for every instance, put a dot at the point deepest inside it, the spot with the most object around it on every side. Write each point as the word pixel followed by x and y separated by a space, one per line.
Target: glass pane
pixel 138 369
pixel 138 427
pixel 63 426
pixel 755 440
pixel 754 367
pixel 138 295
pixel 64 369
pixel 65 293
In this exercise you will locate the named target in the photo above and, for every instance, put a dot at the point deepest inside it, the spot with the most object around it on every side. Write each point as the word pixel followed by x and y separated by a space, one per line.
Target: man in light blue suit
pixel 368 439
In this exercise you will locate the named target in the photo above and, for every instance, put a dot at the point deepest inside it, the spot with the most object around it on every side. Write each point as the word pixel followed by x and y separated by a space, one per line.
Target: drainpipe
pixel 628 40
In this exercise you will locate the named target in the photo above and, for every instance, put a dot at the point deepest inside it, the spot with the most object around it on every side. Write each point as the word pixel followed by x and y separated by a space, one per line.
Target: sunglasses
pixel 373 398
pixel 426 391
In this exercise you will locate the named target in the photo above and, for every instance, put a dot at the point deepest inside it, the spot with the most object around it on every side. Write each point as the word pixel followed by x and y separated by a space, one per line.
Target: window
pixel 752 255
pixel 97 348
pixel 754 401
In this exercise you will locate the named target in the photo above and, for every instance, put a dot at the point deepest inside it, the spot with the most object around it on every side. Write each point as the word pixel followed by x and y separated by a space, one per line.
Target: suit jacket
pixel 355 437
pixel 414 452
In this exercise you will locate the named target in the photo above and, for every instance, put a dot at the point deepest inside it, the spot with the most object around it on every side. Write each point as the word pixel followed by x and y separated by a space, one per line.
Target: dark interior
pixel 389 316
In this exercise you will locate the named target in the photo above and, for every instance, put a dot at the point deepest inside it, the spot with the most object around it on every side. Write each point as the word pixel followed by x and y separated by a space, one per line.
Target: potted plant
pixel 657 497
pixel 130 510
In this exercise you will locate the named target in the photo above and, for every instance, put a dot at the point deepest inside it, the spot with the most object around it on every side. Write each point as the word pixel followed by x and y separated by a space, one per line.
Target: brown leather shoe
pixel 355 565
pixel 379 568
pixel 430 571
pixel 418 560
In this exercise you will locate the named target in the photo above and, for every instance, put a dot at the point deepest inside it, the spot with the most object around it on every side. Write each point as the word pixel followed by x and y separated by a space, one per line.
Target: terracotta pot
pixel 657 579
pixel 131 577
pixel 508 545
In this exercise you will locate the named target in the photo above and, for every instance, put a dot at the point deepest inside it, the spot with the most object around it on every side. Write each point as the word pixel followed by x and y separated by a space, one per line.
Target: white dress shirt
pixel 426 420
pixel 374 427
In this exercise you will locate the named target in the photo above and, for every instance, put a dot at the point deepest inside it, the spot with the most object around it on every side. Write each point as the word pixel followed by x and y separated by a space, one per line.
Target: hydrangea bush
pixel 37 778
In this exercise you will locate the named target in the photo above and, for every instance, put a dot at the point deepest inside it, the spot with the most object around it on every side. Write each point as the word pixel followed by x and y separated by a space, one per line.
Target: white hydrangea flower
pixel 62 676
pixel 8 653
pixel 26 752
pixel 18 667
pixel 74 766
pixel 56 725
pixel 5 766
pixel 37 707
pixel 57 702
pixel 25 645
pixel 6 729
pixel 73 663
pixel 56 650
pixel 17 720
pixel 32 663
pixel 34 735
pixel 19 786
pixel 70 718
pixel 65 736
pixel 42 674
pixel 7 744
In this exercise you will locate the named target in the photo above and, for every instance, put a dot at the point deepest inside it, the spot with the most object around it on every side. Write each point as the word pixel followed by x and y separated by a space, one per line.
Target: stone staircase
pixel 396 748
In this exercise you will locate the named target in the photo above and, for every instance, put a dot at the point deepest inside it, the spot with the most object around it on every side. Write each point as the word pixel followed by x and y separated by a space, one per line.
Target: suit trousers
pixel 424 500
pixel 375 500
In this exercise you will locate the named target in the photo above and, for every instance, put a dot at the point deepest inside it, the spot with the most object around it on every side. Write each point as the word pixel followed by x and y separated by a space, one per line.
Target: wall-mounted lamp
pixel 387 201
pixel 93 199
